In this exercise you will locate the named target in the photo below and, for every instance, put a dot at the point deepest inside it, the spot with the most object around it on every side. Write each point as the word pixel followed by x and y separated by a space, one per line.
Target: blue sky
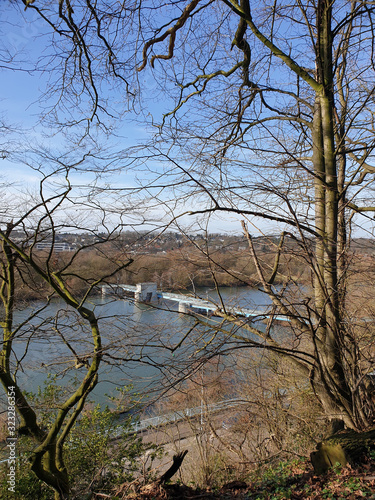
pixel 21 108
pixel 21 88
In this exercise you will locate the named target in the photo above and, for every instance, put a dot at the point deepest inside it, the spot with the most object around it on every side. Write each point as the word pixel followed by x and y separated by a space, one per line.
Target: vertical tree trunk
pixel 330 383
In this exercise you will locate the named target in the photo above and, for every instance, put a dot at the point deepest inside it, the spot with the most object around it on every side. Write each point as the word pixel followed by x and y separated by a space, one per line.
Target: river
pixel 138 340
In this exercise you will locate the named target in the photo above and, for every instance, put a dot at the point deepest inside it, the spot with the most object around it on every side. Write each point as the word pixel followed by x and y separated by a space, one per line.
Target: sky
pixel 21 88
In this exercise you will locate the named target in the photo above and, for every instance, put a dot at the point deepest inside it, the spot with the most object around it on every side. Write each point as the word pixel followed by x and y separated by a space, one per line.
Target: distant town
pixel 149 243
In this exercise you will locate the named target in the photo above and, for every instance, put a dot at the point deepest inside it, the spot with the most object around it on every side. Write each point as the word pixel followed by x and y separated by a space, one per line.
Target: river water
pixel 140 342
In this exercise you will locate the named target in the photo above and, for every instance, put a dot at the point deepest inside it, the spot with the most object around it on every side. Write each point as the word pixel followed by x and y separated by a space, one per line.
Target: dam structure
pixel 148 293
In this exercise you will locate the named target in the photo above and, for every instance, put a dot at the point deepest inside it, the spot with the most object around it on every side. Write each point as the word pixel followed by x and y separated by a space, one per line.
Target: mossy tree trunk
pixel 342 448
pixel 47 458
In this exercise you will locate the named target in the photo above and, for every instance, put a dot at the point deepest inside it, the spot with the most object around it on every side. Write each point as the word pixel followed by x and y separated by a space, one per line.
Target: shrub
pixel 101 451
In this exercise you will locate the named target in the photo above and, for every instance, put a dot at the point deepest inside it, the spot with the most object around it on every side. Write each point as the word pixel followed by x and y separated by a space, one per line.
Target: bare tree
pixel 279 129
pixel 284 136
pixel 60 242
pixel 32 269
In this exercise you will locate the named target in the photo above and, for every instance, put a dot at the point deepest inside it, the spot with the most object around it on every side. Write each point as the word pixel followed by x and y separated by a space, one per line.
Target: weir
pixel 148 293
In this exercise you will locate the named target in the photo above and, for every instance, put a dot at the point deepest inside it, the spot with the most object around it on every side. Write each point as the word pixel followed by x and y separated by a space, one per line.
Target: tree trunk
pixel 330 380
pixel 342 448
